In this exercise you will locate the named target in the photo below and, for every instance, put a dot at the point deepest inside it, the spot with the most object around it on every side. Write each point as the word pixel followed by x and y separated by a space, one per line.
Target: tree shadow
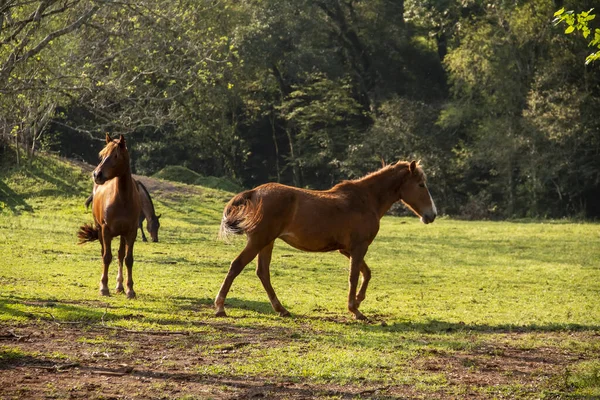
pixel 51 308
pixel 57 174
pixel 14 201
pixel 443 327
pixel 194 304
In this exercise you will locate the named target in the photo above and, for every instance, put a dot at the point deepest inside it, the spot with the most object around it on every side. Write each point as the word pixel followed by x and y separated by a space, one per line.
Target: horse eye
pixel 421 185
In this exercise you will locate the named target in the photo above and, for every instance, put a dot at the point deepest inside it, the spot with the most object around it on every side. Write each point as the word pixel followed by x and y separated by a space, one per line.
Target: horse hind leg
pixel 262 270
pixel 129 242
pixel 106 260
pixel 237 265
pixel 120 288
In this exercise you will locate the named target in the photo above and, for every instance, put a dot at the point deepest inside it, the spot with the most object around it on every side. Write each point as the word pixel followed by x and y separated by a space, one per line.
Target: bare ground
pixel 42 360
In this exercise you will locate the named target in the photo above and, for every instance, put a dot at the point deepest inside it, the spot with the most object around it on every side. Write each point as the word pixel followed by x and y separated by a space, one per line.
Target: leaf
pixel 570 29
pixel 559 12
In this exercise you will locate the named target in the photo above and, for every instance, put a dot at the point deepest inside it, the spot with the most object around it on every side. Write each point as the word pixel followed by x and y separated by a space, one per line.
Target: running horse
pixel 344 218
pixel 116 210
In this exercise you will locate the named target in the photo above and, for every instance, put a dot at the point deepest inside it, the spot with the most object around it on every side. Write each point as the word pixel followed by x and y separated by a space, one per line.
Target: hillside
pixel 48 176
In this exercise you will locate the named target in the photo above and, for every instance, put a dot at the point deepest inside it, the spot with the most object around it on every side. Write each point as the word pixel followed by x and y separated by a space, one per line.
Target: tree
pixel 580 22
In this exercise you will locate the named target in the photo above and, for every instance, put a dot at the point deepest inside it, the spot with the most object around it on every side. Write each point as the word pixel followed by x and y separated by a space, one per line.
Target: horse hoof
pixel 104 292
pixel 119 290
pixel 131 294
pixel 220 314
pixel 360 317
pixel 285 313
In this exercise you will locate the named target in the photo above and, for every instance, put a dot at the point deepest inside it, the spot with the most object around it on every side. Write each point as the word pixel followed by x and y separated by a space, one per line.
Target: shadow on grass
pixel 56 173
pixel 15 202
pixel 51 309
pixel 95 311
pixel 443 327
pixel 232 303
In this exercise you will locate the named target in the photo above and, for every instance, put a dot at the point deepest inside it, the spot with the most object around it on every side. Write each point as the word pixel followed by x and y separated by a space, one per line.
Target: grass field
pixel 457 309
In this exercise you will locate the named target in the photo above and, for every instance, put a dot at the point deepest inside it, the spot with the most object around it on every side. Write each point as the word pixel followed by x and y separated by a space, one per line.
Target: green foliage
pixel 580 22
pixel 312 92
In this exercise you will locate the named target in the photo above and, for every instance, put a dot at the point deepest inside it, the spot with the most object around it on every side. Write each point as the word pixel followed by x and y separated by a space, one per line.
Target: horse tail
pixel 241 215
pixel 87 233
pixel 89 200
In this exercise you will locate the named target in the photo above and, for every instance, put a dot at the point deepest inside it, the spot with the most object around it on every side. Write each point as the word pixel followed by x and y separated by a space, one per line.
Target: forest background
pixel 492 96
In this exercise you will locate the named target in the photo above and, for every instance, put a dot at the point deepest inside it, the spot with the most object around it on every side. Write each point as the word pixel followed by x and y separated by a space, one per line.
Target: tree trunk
pixel 272 120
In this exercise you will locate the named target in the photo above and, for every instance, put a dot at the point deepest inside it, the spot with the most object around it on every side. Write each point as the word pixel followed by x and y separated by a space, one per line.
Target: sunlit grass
pixel 448 288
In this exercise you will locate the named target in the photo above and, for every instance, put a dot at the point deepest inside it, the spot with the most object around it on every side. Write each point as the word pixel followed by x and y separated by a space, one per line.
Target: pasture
pixel 457 309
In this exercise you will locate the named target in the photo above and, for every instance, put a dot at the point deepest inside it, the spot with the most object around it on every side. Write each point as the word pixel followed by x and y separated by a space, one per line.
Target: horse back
pixel 317 220
pixel 145 201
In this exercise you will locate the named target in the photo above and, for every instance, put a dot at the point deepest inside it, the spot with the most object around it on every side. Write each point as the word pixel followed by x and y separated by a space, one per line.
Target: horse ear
pixel 158 216
pixel 121 141
pixel 108 138
pixel 412 167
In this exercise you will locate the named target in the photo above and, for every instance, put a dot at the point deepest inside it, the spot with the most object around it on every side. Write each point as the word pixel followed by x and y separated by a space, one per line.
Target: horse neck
pixel 125 180
pixel 147 206
pixel 384 186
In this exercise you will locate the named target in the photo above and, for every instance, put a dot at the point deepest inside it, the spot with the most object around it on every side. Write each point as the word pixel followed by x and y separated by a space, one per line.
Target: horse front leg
pixel 366 277
pixel 106 239
pixel 235 268
pixel 356 260
pixel 129 241
pixel 119 288
pixel 263 272
pixel 141 225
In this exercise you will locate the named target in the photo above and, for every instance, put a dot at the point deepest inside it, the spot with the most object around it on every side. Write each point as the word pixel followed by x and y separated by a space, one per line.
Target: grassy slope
pixel 450 289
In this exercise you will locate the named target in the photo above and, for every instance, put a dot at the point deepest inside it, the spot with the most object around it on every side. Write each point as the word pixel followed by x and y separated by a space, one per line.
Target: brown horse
pixel 116 209
pixel 148 213
pixel 344 218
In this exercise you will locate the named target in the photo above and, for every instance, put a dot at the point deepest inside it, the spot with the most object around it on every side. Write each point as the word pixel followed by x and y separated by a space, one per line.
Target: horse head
pixel 152 226
pixel 415 195
pixel 114 160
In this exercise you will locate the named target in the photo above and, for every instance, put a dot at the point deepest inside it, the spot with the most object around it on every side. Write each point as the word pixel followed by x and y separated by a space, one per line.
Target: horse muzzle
pixel 428 218
pixel 98 177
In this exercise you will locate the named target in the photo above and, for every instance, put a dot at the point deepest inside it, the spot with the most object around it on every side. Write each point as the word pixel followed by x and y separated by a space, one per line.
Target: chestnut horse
pixel 116 210
pixel 344 218
pixel 148 213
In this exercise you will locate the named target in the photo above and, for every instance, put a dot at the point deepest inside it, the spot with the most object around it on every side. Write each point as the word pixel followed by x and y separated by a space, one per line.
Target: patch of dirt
pixel 500 365
pixel 44 360
pixel 165 187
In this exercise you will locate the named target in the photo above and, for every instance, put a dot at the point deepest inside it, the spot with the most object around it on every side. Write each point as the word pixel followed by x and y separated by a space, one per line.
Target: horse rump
pixel 87 233
pixel 241 215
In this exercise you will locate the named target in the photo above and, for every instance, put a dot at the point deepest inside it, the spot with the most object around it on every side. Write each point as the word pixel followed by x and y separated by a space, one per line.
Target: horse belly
pixel 313 243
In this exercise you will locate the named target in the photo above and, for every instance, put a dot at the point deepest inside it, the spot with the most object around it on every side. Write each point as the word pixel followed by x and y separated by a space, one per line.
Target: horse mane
pixel 109 148
pixel 140 184
pixel 382 171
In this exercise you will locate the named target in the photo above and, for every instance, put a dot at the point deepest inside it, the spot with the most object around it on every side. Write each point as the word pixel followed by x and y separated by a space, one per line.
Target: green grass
pixel 455 293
